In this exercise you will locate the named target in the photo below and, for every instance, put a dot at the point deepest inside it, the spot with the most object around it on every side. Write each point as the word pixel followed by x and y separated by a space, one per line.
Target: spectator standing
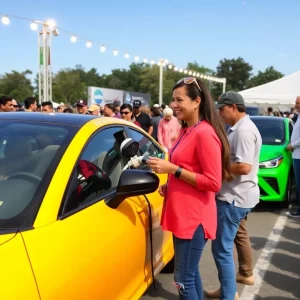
pixel 141 117
pixel 156 117
pixel 82 107
pixel 294 146
pixel 270 111
pixel 94 110
pixel 198 161
pixel 30 104
pixel 6 104
pixel 126 112
pixel 47 107
pixel 238 197
pixel 168 129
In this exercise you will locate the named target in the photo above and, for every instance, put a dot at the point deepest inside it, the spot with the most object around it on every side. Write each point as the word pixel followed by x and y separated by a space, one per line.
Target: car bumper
pixel 273 183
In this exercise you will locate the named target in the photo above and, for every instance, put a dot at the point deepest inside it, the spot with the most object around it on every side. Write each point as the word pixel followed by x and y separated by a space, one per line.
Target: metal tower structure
pixel 45 75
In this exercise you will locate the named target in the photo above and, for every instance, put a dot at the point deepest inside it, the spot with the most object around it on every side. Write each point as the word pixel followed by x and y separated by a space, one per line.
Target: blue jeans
pixel 296 163
pixel 187 257
pixel 229 218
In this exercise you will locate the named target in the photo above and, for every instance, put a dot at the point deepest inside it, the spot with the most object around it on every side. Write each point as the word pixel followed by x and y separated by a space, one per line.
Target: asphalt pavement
pixel 275 241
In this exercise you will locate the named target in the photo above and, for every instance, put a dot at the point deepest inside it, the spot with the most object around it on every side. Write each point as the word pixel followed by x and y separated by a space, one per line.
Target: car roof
pixel 268 118
pixel 55 118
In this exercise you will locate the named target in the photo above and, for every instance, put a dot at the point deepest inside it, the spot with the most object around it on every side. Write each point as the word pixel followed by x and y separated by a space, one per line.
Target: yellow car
pixel 73 223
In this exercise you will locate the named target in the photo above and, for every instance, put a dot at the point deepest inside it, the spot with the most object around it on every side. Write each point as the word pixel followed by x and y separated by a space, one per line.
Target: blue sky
pixel 263 32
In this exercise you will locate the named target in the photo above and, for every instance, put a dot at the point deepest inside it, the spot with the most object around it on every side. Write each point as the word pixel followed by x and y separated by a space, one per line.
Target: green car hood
pixel 269 152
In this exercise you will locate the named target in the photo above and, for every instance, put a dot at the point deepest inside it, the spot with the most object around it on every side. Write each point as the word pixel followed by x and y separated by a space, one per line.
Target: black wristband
pixel 178 172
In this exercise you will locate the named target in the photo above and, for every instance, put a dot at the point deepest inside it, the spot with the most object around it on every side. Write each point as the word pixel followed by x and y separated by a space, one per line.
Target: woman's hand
pixel 162 190
pixel 161 166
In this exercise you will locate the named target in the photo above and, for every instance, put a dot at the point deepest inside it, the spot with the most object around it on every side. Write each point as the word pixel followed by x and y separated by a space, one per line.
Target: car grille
pixel 273 183
pixel 262 192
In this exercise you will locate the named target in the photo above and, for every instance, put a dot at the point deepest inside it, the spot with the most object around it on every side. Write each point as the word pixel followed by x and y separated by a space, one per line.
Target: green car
pixel 275 176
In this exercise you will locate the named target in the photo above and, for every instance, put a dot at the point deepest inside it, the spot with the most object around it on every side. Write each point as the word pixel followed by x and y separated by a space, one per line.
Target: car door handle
pixel 142 209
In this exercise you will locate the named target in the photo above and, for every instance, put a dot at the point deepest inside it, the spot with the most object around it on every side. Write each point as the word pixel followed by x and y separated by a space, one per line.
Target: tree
pixel 16 85
pixel 270 74
pixel 237 73
pixel 67 86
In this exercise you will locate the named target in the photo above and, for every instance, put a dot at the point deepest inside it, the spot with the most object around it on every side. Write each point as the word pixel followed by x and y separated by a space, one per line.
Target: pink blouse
pixel 187 206
pixel 167 132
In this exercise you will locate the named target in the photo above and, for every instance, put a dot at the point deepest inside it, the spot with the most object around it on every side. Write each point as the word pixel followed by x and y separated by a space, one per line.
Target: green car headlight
pixel 274 163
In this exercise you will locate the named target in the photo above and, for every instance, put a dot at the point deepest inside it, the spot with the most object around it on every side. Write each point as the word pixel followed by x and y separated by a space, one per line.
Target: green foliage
pixel 71 84
pixel 270 74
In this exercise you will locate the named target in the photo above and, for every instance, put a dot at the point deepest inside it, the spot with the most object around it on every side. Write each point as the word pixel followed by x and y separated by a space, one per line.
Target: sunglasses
pixel 124 112
pixel 190 80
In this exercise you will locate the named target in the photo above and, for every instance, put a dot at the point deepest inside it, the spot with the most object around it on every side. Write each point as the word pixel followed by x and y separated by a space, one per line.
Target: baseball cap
pixel 137 103
pixel 81 102
pixel 230 98
pixel 94 107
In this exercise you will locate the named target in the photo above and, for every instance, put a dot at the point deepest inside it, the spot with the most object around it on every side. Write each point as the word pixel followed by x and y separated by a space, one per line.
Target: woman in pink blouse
pixel 168 129
pixel 198 161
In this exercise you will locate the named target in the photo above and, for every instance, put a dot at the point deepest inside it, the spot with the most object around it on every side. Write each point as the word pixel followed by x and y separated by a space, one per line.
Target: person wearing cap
pixel 142 118
pixel 81 107
pixel 94 110
pixel 238 197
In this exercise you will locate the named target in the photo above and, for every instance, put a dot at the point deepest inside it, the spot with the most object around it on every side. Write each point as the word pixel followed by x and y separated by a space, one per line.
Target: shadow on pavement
pixel 161 292
pixel 286 259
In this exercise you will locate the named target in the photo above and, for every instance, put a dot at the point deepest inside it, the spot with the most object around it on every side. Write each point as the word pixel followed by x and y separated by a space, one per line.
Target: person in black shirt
pixel 141 117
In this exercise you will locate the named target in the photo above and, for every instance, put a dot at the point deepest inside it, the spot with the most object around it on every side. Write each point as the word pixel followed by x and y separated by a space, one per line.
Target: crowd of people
pixel 212 176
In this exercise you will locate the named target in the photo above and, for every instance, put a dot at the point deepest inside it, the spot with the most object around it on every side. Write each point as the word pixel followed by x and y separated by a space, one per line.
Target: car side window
pixel 146 146
pixel 98 169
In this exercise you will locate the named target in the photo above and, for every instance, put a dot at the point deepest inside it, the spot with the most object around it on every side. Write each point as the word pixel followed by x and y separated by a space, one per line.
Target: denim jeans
pixel 229 218
pixel 296 163
pixel 187 257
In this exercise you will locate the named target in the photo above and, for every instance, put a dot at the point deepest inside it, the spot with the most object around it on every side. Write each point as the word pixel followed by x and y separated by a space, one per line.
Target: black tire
pixel 169 267
pixel 287 201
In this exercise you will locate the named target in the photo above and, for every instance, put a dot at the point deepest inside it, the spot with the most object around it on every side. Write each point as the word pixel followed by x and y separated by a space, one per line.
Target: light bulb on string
pixel 34 26
pixel 89 44
pixel 194 74
pixel 126 55
pixel 180 70
pixel 5 20
pixel 115 52
pixel 170 67
pixel 166 61
pixel 190 73
pixel 185 71
pixel 145 60
pixel 136 58
pixel 152 62
pixel 175 69
pixel 73 38
pixel 102 48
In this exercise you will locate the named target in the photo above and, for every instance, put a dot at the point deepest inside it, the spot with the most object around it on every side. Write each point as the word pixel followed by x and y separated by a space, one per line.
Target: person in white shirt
pixel 294 146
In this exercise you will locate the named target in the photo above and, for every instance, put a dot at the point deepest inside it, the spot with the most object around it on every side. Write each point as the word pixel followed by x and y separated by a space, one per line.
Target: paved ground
pixel 276 256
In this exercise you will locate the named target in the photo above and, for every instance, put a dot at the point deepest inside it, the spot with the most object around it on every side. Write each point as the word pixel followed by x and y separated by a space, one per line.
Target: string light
pixel 89 44
pixel 34 26
pixel 73 38
pixel 102 48
pixel 5 19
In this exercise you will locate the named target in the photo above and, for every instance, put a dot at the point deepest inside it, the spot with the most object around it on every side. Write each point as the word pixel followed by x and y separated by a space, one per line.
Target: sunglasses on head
pixel 124 112
pixel 190 80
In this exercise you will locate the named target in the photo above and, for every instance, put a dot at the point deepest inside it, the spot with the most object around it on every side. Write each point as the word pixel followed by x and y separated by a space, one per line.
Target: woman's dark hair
pixel 126 105
pixel 68 110
pixel 111 106
pixel 155 111
pixel 209 113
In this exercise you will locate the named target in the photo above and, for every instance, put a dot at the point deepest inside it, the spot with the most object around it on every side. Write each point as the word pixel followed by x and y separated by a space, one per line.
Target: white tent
pixel 279 93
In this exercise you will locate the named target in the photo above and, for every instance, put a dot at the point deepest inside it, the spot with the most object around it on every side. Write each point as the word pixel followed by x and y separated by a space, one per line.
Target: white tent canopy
pixel 281 92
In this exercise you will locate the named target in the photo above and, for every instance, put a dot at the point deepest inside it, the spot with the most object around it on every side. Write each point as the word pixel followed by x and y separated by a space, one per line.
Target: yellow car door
pixel 91 251
pixel 162 241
